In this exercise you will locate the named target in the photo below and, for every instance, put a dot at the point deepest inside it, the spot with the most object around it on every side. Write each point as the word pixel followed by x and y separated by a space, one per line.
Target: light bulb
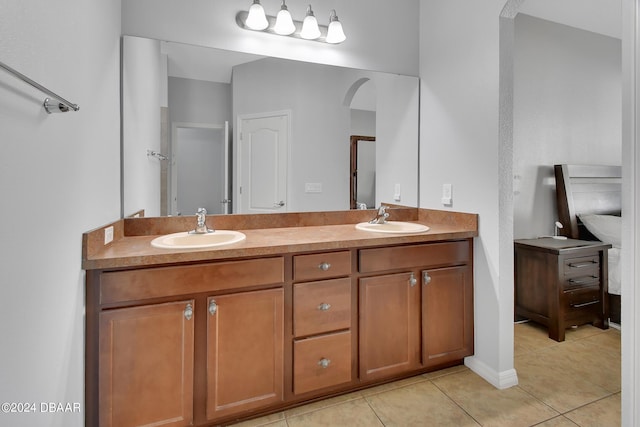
pixel 310 30
pixel 257 19
pixel 284 23
pixel 335 34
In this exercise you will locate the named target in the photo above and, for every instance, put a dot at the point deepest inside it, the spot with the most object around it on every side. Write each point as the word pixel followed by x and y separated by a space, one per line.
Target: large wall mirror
pixel 240 133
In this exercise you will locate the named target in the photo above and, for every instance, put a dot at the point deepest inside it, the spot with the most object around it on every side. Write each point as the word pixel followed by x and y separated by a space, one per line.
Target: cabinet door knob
pixel 213 307
pixel 324 306
pixel 324 363
pixel 412 280
pixel 324 266
pixel 426 278
pixel 188 312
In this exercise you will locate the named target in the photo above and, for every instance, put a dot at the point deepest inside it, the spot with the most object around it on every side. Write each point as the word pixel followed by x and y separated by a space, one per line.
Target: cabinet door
pixel 245 344
pixel 389 325
pixel 146 365
pixel 447 315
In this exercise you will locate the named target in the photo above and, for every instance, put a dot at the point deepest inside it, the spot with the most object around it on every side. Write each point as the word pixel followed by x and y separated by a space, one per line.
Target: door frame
pixel 353 172
pixel 172 173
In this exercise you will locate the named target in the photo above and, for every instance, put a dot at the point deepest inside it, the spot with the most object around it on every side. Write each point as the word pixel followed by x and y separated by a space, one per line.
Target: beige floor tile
pixel 420 404
pixel 393 385
pixel 603 413
pixel 273 420
pixel 443 372
pixel 540 375
pixel 581 332
pixel 530 337
pixel 609 339
pixel 493 407
pixel 325 403
pixel 589 360
pixel 354 413
pixel 560 421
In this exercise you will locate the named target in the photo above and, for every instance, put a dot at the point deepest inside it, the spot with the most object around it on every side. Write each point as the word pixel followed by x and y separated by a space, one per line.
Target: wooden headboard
pixel 583 189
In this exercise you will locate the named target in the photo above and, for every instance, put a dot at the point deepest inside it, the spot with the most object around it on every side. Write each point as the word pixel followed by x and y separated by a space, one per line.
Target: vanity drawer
pixel 320 307
pixel 130 285
pixel 322 361
pixel 321 266
pixel 427 255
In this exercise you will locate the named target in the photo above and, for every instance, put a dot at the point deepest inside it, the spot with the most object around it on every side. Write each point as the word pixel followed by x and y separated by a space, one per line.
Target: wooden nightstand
pixel 561 283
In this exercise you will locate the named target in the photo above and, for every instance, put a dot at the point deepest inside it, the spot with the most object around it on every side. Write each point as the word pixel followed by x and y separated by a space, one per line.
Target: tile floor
pixel 573 383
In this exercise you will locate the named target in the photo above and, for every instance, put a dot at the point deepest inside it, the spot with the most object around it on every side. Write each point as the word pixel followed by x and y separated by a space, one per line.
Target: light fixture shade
pixel 257 20
pixel 335 33
pixel 284 23
pixel 310 29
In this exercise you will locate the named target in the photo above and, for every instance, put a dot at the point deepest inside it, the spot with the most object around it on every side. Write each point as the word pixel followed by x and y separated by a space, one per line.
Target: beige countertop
pixel 268 234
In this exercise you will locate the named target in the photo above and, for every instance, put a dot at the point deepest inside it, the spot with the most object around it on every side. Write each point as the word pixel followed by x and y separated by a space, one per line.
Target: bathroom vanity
pixel 306 307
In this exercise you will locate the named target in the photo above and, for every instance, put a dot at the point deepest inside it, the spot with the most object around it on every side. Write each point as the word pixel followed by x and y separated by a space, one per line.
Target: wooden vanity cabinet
pixel 447 314
pixel 245 342
pixel 209 343
pixel 421 316
pixel 214 353
pixel 389 325
pixel 323 348
pixel 146 365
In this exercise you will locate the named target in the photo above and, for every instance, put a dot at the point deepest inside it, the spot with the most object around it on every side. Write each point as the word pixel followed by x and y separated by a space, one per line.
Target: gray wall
pixel 567 109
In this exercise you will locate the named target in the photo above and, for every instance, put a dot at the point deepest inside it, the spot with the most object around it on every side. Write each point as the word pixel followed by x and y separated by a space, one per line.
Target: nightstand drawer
pixel 586 281
pixel 582 266
pixel 580 299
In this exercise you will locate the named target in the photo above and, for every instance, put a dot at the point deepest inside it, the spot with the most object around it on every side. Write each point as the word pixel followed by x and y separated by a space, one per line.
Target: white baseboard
pixel 500 380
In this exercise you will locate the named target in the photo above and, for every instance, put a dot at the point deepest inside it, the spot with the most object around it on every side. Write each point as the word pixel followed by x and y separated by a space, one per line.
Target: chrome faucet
pixel 201 227
pixel 381 216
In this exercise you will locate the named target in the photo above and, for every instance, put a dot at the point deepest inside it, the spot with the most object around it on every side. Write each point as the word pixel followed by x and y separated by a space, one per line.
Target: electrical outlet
pixel 108 235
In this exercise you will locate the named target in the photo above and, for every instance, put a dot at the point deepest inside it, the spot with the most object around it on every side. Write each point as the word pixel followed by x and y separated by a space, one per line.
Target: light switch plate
pixel 446 195
pixel 313 187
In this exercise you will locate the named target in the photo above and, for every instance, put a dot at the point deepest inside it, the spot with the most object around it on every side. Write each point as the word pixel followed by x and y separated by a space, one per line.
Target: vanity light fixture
pixel 283 24
pixel 335 34
pixel 310 29
pixel 257 20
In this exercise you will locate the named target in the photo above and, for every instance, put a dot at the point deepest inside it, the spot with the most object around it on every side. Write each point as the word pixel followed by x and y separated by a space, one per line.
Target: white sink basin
pixel 185 240
pixel 397 227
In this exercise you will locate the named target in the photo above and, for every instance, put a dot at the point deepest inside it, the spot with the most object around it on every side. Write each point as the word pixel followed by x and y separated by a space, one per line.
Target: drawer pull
pixel 213 307
pixel 324 363
pixel 324 306
pixel 324 266
pixel 585 304
pixel 582 264
pixel 426 278
pixel 583 280
pixel 188 312
pixel 412 280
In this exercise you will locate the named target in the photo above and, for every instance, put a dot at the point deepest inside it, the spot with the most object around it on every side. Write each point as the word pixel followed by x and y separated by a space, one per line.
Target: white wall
pixel 141 99
pixel 381 38
pixel 459 144
pixel 59 176
pixel 567 109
